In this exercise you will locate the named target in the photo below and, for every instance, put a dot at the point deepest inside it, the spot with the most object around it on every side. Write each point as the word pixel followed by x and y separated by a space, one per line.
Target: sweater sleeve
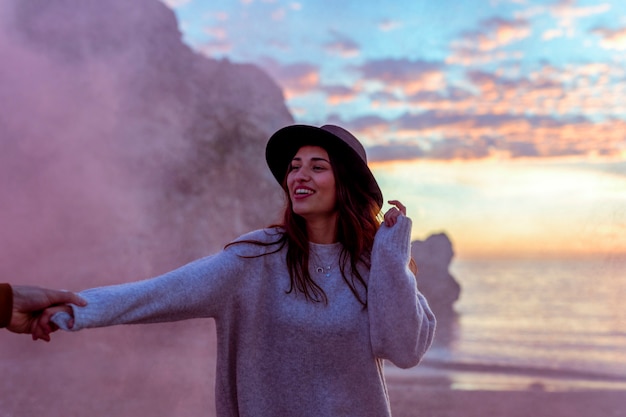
pixel 198 289
pixel 402 325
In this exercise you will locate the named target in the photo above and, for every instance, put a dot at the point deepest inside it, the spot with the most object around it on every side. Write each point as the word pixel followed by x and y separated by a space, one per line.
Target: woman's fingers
pixel 391 216
pixel 43 326
pixel 40 330
pixel 399 205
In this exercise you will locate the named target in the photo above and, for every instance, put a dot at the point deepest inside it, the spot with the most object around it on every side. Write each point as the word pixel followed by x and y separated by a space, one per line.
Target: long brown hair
pixel 358 221
pixel 359 218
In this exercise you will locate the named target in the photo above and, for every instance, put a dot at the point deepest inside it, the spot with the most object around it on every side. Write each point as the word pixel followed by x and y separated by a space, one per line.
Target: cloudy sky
pixel 502 122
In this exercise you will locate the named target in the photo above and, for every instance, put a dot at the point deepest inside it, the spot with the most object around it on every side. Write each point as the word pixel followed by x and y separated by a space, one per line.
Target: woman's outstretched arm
pixel 198 289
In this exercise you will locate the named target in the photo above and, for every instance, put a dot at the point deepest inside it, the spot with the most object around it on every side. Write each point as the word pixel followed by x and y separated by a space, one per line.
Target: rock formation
pixel 124 153
pixel 433 257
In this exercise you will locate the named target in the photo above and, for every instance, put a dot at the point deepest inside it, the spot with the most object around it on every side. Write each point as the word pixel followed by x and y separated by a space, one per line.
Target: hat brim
pixel 284 144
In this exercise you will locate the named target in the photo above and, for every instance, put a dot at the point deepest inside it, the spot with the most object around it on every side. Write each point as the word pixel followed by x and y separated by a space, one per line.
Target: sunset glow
pixel 514 209
pixel 504 125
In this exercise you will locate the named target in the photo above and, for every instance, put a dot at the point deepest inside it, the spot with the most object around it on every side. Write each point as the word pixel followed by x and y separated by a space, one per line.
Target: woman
pixel 305 312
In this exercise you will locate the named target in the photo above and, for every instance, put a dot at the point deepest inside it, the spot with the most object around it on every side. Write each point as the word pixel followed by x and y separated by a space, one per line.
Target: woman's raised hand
pixel 391 216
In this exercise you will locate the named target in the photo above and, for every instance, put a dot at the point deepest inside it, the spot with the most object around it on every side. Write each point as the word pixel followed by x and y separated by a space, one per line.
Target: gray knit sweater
pixel 280 355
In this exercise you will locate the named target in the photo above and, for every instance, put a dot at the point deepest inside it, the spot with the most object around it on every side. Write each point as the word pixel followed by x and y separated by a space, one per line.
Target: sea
pixel 551 325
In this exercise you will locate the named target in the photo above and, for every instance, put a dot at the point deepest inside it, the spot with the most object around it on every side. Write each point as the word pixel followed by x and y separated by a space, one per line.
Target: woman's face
pixel 311 183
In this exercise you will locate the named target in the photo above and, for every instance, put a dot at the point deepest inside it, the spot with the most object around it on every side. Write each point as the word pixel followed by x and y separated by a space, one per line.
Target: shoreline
pixel 410 401
pixel 462 376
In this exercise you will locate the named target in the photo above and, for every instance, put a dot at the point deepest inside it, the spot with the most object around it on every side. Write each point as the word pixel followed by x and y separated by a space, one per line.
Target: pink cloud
pixel 502 32
pixel 611 38
pixel 216 32
pixel 339 94
pixel 215 47
pixel 553 112
pixel 476 136
pixel 553 92
pixel 343 46
pixel 403 75
pixel 566 11
pixel 552 34
pixel 471 57
pixel 485 44
pixel 296 79
pixel 219 44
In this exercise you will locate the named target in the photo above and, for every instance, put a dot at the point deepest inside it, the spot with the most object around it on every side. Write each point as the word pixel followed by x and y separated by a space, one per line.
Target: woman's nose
pixel 302 174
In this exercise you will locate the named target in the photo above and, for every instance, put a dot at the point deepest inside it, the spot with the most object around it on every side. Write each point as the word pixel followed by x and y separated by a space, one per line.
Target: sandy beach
pixel 167 370
pixel 407 401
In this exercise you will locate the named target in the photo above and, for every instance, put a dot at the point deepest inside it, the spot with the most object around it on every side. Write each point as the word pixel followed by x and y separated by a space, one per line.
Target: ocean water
pixel 534 324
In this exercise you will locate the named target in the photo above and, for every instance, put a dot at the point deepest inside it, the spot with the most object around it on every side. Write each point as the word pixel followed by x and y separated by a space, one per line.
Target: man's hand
pixel 29 302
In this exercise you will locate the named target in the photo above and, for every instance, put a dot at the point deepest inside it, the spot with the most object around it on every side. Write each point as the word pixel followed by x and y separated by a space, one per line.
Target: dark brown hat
pixel 284 144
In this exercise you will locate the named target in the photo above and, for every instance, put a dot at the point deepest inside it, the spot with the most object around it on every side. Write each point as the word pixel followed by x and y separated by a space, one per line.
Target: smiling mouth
pixel 303 191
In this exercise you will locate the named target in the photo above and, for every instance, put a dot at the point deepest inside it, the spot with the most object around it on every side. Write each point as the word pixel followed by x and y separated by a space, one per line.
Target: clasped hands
pixel 33 307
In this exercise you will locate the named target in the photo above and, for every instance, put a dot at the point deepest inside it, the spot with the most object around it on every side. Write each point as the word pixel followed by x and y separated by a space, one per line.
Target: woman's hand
pixel 43 325
pixel 391 216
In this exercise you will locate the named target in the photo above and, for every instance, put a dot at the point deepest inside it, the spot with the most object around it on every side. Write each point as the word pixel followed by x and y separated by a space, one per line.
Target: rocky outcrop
pixel 124 153
pixel 433 257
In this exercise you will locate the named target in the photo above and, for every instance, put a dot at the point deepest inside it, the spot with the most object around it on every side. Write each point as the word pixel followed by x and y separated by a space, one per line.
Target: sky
pixel 501 123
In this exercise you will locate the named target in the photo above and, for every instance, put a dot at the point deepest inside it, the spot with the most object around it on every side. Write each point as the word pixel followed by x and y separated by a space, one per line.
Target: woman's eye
pixel 318 168
pixel 293 167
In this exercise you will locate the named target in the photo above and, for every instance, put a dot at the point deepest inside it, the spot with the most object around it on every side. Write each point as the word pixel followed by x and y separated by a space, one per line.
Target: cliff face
pixel 124 153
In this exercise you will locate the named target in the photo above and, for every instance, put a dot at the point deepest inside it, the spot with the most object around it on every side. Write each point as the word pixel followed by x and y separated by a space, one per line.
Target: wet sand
pixel 407 401
pixel 167 370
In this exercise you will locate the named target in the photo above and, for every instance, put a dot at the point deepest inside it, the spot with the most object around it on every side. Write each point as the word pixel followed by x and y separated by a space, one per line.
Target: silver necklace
pixel 325 270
